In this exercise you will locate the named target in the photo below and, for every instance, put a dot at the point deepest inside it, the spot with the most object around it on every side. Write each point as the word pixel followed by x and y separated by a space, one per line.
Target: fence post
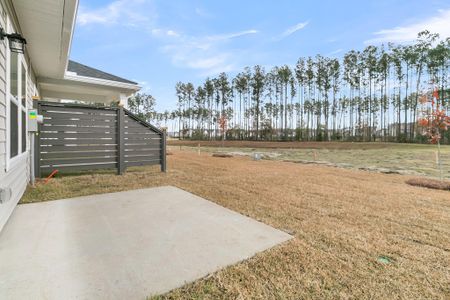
pixel 120 141
pixel 163 152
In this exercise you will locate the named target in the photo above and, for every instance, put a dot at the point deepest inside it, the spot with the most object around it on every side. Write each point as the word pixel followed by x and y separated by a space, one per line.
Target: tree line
pixel 368 95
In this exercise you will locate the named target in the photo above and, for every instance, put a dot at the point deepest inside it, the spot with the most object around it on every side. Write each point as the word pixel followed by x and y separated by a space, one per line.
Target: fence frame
pixel 121 136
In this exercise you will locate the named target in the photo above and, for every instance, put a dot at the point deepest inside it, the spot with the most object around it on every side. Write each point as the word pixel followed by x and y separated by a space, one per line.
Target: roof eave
pixel 104 82
pixel 48 29
pixel 85 89
pixel 70 17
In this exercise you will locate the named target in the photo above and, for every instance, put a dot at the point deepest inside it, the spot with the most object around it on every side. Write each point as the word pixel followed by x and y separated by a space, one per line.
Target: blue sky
pixel 158 43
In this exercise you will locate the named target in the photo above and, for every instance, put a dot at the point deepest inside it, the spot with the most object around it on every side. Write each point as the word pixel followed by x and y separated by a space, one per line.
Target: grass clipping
pixel 430 183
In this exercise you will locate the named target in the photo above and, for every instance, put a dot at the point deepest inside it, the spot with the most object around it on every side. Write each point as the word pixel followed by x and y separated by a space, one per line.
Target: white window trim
pixel 24 108
pixel 11 163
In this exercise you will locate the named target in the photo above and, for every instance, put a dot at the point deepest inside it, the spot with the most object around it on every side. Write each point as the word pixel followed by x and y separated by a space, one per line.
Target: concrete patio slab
pixel 126 245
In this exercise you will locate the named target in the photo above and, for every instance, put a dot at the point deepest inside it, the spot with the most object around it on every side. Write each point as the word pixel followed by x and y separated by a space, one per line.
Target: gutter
pixel 104 82
pixel 69 17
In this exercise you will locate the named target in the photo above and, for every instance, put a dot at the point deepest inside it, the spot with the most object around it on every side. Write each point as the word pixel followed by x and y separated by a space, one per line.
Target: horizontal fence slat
pixel 78 142
pixel 150 137
pixel 129 116
pixel 142 151
pixel 133 121
pixel 80 110
pixel 81 140
pixel 85 129
pixel 77 135
pixel 142 141
pixel 67 116
pixel 90 160
pixel 137 145
pixel 137 157
pixel 104 123
pixel 86 118
pixel 142 163
pixel 78 167
pixel 141 148
pixel 67 154
pixel 85 110
pixel 78 148
pixel 129 119
pixel 141 145
pixel 140 131
pixel 135 126
pixel 142 134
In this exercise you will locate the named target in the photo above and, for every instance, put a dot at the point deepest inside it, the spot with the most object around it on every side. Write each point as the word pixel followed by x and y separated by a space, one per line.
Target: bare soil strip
pixel 282 145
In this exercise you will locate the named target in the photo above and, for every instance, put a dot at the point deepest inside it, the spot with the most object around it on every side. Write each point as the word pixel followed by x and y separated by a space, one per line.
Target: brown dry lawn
pixel 343 222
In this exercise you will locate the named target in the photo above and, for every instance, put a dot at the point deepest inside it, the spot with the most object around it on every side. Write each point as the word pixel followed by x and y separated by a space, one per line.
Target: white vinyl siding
pixel 14 173
pixel 2 96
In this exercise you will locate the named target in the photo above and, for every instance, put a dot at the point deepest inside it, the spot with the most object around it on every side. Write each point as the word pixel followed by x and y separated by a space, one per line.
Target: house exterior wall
pixel 14 175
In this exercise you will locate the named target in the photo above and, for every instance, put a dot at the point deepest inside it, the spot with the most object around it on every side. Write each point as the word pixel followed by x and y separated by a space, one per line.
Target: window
pixel 14 75
pixel 23 95
pixel 13 123
pixel 17 88
pixel 13 107
pixel 24 131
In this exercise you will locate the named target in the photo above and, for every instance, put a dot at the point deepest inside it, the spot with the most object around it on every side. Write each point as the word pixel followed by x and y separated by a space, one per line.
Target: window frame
pixel 12 162
pixel 23 86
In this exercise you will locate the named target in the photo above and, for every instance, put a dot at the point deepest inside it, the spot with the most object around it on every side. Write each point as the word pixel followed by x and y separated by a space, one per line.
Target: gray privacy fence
pixel 77 137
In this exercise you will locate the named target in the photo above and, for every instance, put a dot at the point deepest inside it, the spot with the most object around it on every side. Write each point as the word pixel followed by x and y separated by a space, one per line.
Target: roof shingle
pixel 83 70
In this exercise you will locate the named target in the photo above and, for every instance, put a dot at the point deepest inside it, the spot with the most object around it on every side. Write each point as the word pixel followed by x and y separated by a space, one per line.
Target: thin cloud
pixel 208 54
pixel 203 13
pixel 439 23
pixel 293 29
pixel 229 36
pixel 125 12
pixel 332 40
pixel 172 33
pixel 145 86
pixel 334 52
pixel 208 61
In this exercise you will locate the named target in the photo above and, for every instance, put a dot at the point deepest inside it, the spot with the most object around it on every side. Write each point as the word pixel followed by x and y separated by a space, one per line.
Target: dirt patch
pixel 429 183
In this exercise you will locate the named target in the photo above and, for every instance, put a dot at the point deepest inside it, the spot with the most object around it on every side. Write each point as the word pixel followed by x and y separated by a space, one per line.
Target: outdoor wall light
pixel 16 41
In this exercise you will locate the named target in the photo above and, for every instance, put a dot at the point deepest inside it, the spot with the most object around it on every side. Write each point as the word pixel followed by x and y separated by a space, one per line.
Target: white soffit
pixel 83 90
pixel 47 26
